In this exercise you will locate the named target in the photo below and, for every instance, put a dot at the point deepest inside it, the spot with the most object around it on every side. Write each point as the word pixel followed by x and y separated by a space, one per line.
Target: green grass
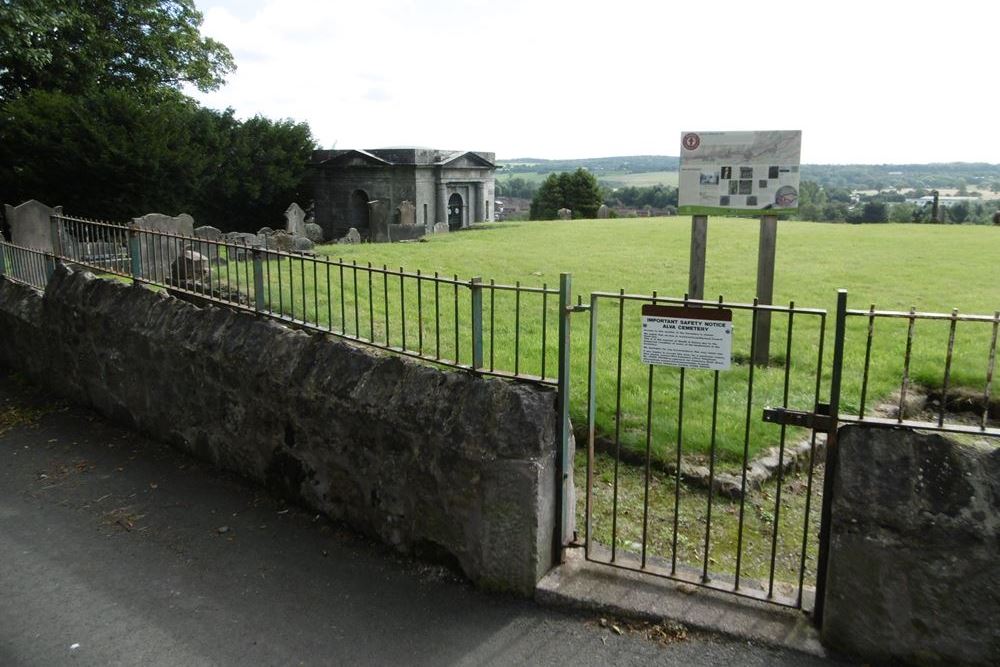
pixel 935 268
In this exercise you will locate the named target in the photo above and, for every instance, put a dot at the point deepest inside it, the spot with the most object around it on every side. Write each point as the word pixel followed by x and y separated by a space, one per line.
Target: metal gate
pixel 707 477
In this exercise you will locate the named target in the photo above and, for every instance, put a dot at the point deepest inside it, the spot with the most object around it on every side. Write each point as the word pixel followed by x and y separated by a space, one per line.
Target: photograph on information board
pixel 736 173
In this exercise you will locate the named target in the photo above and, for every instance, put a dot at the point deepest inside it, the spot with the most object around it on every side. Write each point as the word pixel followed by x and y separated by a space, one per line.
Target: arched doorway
pixel 455 207
pixel 359 214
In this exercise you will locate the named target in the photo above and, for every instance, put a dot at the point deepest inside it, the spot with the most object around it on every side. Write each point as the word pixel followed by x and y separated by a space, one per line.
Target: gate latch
pixel 818 420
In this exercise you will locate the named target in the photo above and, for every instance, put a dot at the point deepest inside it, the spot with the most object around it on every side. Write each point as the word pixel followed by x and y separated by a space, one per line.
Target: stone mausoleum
pixel 395 194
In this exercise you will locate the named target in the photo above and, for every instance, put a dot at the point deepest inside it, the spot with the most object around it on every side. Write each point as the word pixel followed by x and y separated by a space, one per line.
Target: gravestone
pixel 603 212
pixel 295 220
pixel 565 214
pixel 210 250
pixel 158 253
pixel 302 244
pixel 441 228
pixel 189 268
pixel 280 241
pixel 378 217
pixel 314 232
pixel 351 238
pixel 407 213
pixel 30 226
pixel 265 231
pixel 208 233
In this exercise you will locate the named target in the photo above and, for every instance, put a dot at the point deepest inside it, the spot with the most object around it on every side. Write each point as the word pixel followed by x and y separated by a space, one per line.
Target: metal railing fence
pixel 471 324
pixel 26 266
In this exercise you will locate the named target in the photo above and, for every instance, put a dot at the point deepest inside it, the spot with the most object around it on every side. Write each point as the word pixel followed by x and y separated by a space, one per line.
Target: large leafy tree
pixel 79 46
pixel 577 191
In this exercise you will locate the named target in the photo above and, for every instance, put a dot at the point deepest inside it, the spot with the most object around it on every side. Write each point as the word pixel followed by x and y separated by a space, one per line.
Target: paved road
pixel 115 549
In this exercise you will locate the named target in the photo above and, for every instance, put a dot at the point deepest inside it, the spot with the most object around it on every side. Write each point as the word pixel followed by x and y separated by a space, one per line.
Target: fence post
pixel 3 257
pixel 56 236
pixel 477 322
pixel 134 253
pixel 50 266
pixel 564 462
pixel 258 281
pixel 832 453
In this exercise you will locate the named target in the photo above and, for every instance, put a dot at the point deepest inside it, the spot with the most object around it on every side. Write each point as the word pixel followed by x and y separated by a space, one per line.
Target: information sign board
pixel 687 337
pixel 733 173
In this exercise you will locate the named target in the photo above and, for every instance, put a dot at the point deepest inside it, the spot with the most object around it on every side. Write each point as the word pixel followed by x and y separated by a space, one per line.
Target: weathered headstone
pixel 441 228
pixel 208 233
pixel 564 214
pixel 378 218
pixel 158 253
pixel 603 212
pixel 295 220
pixel 314 232
pixel 265 231
pixel 352 237
pixel 189 267
pixel 302 244
pixel 30 226
pixel 407 213
pixel 210 250
pixel 281 241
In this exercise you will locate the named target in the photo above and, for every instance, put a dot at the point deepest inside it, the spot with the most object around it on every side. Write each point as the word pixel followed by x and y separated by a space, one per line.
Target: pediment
pixel 468 160
pixel 355 158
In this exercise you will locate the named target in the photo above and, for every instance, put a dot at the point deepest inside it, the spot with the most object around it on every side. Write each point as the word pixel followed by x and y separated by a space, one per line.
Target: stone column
pixel 480 202
pixel 442 202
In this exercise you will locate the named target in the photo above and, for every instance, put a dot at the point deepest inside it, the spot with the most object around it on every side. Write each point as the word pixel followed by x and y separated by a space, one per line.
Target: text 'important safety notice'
pixel 687 337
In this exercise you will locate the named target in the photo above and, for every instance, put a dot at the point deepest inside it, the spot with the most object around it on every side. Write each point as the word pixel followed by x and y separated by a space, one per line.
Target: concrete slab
pixel 585 585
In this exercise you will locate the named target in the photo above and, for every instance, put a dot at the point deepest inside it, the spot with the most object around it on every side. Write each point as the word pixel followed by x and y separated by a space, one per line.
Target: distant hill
pixel 974 175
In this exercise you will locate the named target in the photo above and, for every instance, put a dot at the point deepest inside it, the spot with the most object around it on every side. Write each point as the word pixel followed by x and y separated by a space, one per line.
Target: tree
pixel 80 46
pixel 110 155
pixel 577 191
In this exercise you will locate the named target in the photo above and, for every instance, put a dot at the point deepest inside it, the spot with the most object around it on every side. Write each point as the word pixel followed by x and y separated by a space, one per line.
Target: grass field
pixel 936 268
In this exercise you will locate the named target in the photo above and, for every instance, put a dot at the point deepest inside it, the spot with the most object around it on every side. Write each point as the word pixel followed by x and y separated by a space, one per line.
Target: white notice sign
pixel 687 337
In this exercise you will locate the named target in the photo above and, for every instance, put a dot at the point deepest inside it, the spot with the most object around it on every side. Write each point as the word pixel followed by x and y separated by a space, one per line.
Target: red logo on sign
pixel 691 141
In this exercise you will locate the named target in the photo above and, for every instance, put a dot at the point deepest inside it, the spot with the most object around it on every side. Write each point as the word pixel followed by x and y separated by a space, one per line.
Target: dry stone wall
pixel 430 461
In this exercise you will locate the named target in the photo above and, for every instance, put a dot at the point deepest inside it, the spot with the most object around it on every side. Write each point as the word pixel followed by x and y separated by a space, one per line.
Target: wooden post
pixel 696 267
pixel 765 286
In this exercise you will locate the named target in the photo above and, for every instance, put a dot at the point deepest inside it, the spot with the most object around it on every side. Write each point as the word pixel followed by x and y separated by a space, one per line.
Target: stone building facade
pixel 391 194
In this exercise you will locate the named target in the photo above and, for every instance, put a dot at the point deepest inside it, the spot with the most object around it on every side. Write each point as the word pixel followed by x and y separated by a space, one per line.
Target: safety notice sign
pixel 687 337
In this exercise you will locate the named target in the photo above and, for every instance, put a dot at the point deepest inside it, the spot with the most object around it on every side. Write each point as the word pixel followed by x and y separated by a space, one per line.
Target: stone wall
pixel 436 462
pixel 914 569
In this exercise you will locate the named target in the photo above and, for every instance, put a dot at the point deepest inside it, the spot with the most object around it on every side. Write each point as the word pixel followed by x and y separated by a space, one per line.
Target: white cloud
pixel 865 81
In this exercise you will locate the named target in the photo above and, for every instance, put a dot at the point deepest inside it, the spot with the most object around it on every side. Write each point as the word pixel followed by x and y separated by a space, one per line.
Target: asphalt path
pixel 118 550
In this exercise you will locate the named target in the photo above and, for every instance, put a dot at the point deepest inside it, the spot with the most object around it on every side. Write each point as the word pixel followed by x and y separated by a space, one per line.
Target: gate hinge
pixel 818 420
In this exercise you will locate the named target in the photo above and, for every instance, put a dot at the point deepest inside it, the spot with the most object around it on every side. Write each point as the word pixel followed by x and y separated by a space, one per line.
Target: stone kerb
pixel 914 562
pixel 30 224
pixel 159 253
pixel 427 460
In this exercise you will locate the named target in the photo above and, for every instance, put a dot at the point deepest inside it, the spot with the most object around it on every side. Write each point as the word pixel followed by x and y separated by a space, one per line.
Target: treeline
pixel 92 118
pixel 821 204
pixel 627 164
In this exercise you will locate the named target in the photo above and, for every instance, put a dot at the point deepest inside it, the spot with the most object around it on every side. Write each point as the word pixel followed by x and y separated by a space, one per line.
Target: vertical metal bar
pixel 947 366
pixel 54 228
pixel 385 301
pixel 545 310
pixel 258 281
pixel 618 426
pixel 371 306
pixel 357 320
pixel 420 313
pixel 281 289
pixel 906 365
pixel 781 449
pixel 268 289
pixel 493 310
pixel 329 299
pixel 437 316
pixel 711 473
pixel 832 454
pixel 646 469
pixel 868 359
pixel 402 307
pixel 517 327
pixel 565 509
pixel 591 426
pixel 477 322
pixel 989 371
pixel 455 289
pixel 316 288
pixel 343 299
pixel 677 474
pixel 746 444
pixel 812 460
pixel 135 254
pixel 3 259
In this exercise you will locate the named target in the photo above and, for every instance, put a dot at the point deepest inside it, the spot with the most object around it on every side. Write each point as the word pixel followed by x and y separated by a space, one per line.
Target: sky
pixel 867 82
